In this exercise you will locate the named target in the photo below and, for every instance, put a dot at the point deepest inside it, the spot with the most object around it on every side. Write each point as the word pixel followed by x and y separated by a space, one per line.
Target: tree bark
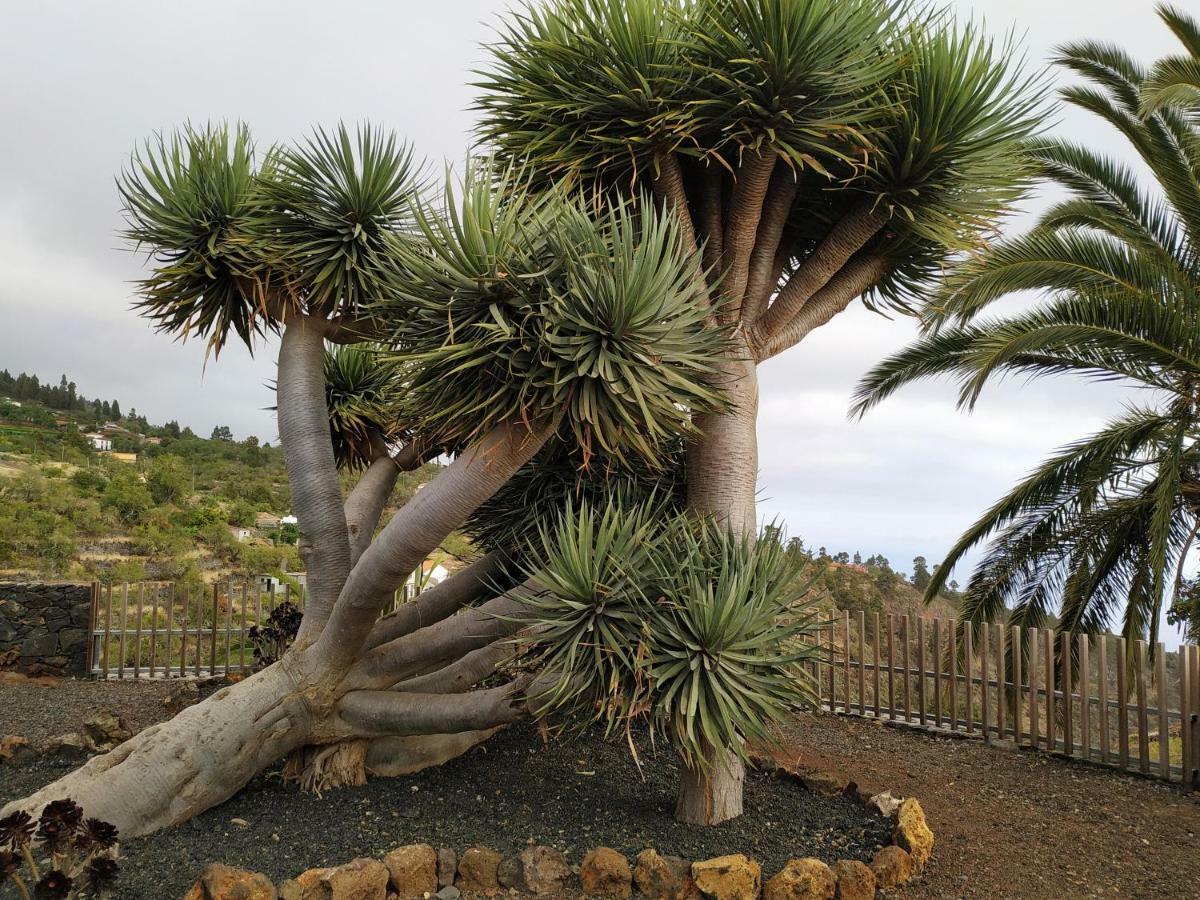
pixel 711 793
pixel 722 461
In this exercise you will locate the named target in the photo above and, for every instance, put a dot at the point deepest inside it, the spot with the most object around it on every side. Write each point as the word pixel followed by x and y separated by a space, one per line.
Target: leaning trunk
pixel 711 792
pixel 175 770
pixel 722 462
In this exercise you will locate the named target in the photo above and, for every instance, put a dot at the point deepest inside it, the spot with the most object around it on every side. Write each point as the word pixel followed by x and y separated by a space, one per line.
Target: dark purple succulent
pixel 16 830
pixel 58 824
pixel 102 873
pixel 96 834
pixel 9 862
pixel 54 886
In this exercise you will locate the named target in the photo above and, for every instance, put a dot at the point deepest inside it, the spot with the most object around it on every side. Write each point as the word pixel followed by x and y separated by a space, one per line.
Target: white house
pixel 427 576
pixel 288 520
pixel 240 533
pixel 99 441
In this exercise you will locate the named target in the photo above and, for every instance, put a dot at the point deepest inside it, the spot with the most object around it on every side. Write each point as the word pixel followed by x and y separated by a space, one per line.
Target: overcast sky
pixel 85 81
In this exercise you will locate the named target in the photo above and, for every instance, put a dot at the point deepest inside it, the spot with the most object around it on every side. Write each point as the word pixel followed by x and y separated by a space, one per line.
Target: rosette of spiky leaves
pixel 96 834
pixel 519 306
pixel 16 830
pixel 593 89
pixel 58 824
pixel 593 564
pixel 803 76
pixel 328 213
pixel 727 638
pixel 234 245
pixel 54 885
pixel 362 390
pixel 947 159
pixel 101 875
pixel 185 198
pixel 539 492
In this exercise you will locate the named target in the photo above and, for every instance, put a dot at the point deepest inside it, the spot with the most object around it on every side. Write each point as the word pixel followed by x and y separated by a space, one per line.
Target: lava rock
pixel 892 867
pixel 912 832
pixel 359 879
pixel 15 750
pixel 477 870
pixel 733 877
pixel 545 870
pixel 855 880
pixel 662 877
pixel 802 879
pixel 106 729
pixel 606 873
pixel 413 870
pixel 219 882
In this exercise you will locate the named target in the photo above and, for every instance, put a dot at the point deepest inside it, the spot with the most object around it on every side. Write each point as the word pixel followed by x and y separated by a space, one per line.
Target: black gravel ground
pixel 573 793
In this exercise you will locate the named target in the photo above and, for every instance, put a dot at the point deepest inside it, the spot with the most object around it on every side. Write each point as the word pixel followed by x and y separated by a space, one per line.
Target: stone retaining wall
pixel 43 627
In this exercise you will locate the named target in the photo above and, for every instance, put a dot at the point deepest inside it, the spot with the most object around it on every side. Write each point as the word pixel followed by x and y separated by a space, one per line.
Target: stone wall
pixel 43 627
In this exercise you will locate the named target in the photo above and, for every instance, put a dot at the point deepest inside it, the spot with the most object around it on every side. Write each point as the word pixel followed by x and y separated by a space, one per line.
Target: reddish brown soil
pixel 1012 823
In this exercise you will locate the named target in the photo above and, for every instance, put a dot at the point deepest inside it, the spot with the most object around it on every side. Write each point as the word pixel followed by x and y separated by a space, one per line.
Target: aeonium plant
pixel 61 854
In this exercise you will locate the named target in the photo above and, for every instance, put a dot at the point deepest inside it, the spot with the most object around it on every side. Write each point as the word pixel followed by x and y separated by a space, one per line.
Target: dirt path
pixel 1014 823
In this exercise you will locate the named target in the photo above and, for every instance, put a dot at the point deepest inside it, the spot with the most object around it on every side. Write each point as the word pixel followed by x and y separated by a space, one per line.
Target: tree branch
pixel 366 501
pixel 443 642
pixel 669 191
pixel 741 227
pixel 765 266
pixel 312 470
pixel 858 277
pixel 352 330
pixel 417 529
pixel 845 239
pixel 381 713
pixel 464 673
pixel 712 227
pixel 441 601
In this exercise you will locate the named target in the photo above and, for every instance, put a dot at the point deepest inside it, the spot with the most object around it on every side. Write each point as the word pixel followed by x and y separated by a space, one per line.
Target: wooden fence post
pixel 937 673
pixel 212 656
pixel 1085 712
pixel 876 670
pixel 1123 701
pixel 1067 695
pixel 953 676
pixel 891 679
pixel 907 668
pixel 1014 651
pixel 1035 699
pixel 1143 721
pixel 1051 721
pixel 969 659
pixel 1102 674
pixel 1164 725
pixel 984 687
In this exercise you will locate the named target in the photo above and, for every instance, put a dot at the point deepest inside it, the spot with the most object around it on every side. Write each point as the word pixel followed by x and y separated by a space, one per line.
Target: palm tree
pixel 1106 522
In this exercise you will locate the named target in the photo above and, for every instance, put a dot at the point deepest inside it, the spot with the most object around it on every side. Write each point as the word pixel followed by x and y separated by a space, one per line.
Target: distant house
pixel 130 458
pixel 152 441
pixel 288 520
pixel 268 583
pixel 240 533
pixel 266 520
pixel 430 573
pixel 99 441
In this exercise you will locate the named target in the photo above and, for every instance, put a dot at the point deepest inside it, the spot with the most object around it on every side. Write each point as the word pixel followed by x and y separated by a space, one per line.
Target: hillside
pixel 162 503
pixel 87 492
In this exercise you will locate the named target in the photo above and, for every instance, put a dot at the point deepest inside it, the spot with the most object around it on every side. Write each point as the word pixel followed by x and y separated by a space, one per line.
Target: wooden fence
pixel 1087 698
pixel 167 630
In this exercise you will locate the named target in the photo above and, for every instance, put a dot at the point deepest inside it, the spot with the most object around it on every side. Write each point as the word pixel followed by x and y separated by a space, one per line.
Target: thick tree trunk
pixel 722 462
pixel 711 793
pixel 177 769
